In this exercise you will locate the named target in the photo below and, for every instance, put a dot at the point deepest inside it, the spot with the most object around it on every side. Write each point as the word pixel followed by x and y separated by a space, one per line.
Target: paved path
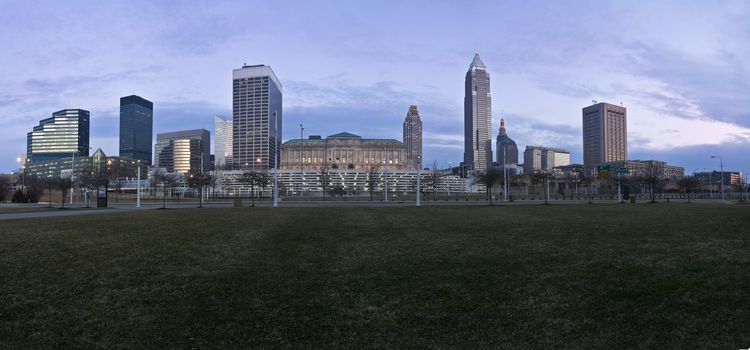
pixel 118 208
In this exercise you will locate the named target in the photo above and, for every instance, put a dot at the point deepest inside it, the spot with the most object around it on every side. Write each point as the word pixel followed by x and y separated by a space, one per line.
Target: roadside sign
pixel 604 168
pixel 623 170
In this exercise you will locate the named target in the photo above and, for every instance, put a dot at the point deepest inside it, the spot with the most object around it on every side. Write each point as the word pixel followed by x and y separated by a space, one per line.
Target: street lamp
pixel 419 175
pixel 721 164
pixel 301 161
pixel 276 161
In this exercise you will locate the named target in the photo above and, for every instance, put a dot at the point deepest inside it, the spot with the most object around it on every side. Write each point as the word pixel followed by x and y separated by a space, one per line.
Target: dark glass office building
pixel 136 128
pixel 62 135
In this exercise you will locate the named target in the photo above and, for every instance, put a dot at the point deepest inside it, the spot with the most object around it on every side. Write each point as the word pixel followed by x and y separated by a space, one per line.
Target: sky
pixel 681 68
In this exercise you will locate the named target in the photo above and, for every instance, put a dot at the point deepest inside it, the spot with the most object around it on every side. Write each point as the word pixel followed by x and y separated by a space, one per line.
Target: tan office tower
pixel 477 117
pixel 256 116
pixel 413 135
pixel 605 134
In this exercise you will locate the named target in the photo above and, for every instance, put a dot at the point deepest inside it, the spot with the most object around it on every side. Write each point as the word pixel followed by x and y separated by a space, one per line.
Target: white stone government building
pixel 344 151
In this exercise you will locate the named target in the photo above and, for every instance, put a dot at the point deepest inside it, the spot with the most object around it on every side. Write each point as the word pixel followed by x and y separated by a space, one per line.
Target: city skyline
pixel 683 91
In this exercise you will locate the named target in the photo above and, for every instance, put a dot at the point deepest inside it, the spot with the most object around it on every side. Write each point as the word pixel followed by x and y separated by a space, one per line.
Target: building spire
pixel 503 132
pixel 477 62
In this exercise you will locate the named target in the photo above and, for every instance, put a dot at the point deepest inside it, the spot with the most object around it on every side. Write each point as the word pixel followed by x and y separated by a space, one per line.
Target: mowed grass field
pixel 525 277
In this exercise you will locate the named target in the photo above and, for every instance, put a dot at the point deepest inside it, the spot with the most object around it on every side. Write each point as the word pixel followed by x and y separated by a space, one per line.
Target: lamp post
pixel 721 165
pixel 72 171
pixel 138 189
pixel 505 174
pixel 419 175
pixel 385 173
pixel 276 165
pixel 301 160
pixel 449 181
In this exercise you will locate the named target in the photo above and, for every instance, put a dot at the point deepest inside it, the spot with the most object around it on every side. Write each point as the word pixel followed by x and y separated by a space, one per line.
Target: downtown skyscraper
pixel 413 135
pixel 136 128
pixel 184 151
pixel 65 134
pixel 477 117
pixel 605 134
pixel 223 142
pixel 256 117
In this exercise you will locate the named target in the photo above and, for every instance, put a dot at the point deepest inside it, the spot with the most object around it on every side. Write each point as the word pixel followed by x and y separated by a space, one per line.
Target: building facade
pixel 477 117
pixel 605 134
pixel 544 159
pixel 256 117
pixel 98 164
pixel 136 128
pixel 344 151
pixel 184 151
pixel 413 135
pixel 507 150
pixel 222 142
pixel 62 135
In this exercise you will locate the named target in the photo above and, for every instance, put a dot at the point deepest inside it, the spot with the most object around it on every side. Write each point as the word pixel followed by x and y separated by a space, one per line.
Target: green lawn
pixel 527 276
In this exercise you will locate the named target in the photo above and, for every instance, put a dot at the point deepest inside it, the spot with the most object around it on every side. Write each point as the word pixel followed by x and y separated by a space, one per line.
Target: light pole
pixel 276 165
pixel 721 165
pixel 385 173
pixel 419 175
pixel 72 171
pixel 301 160
pixel 505 174
pixel 449 181
pixel 138 189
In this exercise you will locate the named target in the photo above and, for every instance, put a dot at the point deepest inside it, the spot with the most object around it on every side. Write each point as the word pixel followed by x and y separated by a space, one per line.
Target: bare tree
pixel 433 178
pixel 64 184
pixel 254 179
pixel 537 178
pixel 50 183
pixel 160 177
pixel 4 187
pixel 199 181
pixel 373 179
pixel 489 179
pixel 325 179
pixel 587 179
pixel 688 184
pixel 654 176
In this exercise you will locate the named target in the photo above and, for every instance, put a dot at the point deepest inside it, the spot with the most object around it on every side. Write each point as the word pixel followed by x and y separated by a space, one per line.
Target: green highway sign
pixel 603 168
pixel 623 170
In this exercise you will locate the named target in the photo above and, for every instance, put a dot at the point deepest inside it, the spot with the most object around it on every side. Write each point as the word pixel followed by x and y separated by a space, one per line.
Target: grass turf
pixel 572 276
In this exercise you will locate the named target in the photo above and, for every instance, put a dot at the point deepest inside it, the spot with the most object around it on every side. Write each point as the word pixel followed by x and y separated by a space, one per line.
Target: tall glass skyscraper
pixel 183 151
pixel 256 117
pixel 62 135
pixel 223 142
pixel 477 117
pixel 136 128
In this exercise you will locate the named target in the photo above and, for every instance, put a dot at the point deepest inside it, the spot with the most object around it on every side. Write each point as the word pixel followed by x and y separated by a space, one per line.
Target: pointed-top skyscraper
pixel 477 117
pixel 413 135
pixel 507 150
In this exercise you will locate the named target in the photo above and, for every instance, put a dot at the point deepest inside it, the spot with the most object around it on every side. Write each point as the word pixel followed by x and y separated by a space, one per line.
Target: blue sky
pixel 682 68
